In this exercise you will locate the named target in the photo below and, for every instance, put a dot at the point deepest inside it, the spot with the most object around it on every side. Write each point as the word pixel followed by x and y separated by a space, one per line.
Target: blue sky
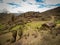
pixel 1 1
pixel 39 0
pixel 28 5
pixel 13 5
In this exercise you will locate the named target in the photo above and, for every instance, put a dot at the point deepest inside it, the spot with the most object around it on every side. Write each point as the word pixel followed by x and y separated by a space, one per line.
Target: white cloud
pixel 52 1
pixel 25 6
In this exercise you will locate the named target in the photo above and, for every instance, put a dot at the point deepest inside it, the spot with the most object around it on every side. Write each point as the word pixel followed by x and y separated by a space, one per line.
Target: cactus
pixel 20 33
pixel 14 34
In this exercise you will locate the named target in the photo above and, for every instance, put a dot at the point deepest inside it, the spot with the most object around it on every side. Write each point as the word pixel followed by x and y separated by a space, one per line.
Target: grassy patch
pixel 28 26
pixel 33 25
pixel 58 21
pixel 1 26
pixel 16 27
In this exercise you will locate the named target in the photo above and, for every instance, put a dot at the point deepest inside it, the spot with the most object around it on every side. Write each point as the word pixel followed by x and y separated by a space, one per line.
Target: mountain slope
pixel 30 28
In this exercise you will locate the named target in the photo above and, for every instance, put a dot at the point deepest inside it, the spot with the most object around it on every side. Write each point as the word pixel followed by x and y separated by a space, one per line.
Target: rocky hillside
pixel 6 18
pixel 30 28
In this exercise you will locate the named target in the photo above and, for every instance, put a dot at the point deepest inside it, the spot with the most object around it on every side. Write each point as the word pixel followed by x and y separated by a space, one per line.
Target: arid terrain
pixel 30 28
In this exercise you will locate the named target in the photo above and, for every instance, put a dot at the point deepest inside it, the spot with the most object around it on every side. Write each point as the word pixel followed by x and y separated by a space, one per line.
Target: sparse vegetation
pixel 58 21
pixel 30 28
pixel 1 27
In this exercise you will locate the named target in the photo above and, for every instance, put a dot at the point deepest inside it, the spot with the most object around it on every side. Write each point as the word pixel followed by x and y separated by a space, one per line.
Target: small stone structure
pixel 49 25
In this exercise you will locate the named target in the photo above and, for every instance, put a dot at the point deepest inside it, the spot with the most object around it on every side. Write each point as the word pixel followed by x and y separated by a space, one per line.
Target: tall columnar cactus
pixel 14 34
pixel 20 32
